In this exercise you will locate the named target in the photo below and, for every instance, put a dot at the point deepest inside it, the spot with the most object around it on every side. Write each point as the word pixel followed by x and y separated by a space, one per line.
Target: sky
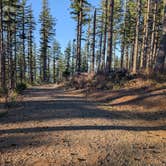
pixel 65 25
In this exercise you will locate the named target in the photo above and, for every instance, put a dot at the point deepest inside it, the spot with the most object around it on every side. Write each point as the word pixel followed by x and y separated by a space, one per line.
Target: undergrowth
pixel 116 80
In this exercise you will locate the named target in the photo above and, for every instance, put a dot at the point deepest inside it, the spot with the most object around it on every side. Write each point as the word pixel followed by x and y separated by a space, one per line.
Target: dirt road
pixel 59 128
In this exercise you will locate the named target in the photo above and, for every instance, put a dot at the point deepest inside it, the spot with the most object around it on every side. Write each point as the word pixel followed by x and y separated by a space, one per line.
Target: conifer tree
pixel 56 52
pixel 68 59
pixel 110 36
pixel 80 9
pixel 47 32
pixel 31 28
pixel 160 61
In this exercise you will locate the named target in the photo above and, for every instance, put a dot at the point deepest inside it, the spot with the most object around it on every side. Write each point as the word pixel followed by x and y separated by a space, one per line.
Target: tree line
pixel 120 34
pixel 20 59
pixel 117 34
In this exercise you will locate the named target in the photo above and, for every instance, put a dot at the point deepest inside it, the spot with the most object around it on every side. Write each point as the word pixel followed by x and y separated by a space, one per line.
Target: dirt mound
pixel 81 80
pixel 100 81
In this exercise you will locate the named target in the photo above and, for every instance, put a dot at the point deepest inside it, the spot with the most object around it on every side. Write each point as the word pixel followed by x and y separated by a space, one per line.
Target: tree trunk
pixel 155 46
pixel 152 44
pixel 15 51
pixel 160 61
pixel 23 42
pixel 135 56
pixel 2 55
pixel 73 57
pixel 31 58
pixel 101 44
pixel 143 57
pixel 105 35
pixel 94 40
pixel 122 53
pixel 79 37
pixel 54 70
pixel 127 57
pixel 146 54
pixel 110 38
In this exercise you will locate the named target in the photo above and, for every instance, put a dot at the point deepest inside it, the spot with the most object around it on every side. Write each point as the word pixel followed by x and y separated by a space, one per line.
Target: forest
pixel 117 35
pixel 95 101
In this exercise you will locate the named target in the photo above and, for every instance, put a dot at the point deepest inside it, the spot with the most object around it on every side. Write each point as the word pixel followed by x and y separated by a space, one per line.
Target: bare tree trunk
pixel 146 54
pixel 35 62
pixel 110 38
pixel 54 70
pixel 131 56
pixel 152 44
pixel 127 57
pixel 31 59
pixel 155 46
pixel 10 55
pixel 135 56
pixel 160 61
pixel 23 42
pixel 48 66
pixel 143 46
pixel 105 35
pixel 15 52
pixel 9 49
pixel 73 57
pixel 2 55
pixel 44 54
pixel 122 53
pixel 143 57
pixel 79 37
pixel 123 43
pixel 94 40
pixel 77 44
pixel 100 45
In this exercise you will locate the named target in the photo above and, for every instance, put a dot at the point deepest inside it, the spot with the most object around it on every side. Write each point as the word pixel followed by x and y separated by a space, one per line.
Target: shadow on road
pixel 66 107
pixel 69 107
pixel 76 128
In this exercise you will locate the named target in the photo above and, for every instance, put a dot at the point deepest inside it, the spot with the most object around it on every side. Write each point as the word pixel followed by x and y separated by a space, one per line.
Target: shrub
pixel 20 87
pixel 3 92
pixel 80 81
pixel 66 73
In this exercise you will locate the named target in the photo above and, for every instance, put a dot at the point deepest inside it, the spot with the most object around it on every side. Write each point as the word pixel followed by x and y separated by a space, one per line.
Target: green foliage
pixel 20 87
pixel 77 6
pixel 56 49
pixel 47 32
pixel 66 73
pixel 68 57
pixel 3 91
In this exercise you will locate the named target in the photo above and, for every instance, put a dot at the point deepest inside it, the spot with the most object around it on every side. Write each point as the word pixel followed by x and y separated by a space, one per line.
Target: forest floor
pixel 57 127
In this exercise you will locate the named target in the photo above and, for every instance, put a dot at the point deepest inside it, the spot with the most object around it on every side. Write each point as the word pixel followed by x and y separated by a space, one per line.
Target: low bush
pixel 66 73
pixel 81 80
pixel 101 81
pixel 20 87
pixel 3 92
